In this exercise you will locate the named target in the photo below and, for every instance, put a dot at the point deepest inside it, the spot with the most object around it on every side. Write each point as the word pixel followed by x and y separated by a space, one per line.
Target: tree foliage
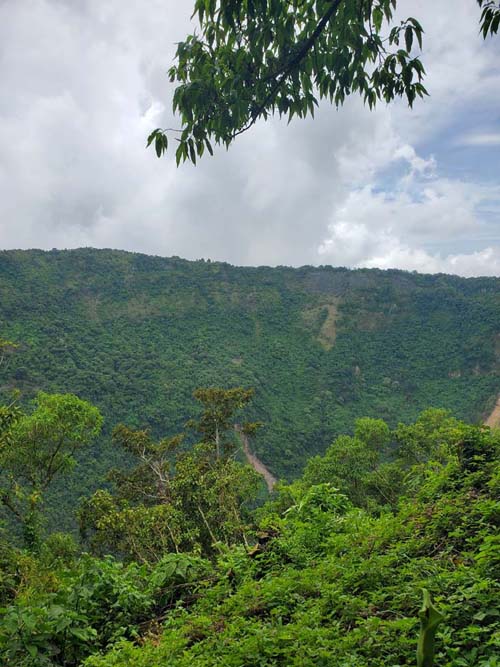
pixel 257 57
pixel 216 422
pixel 135 335
pixel 490 16
pixel 326 583
pixel 6 348
pixel 376 466
pixel 254 58
pixel 44 442
pixel 175 499
pixel 37 447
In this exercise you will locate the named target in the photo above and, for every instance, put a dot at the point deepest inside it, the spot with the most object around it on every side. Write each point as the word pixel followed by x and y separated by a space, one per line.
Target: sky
pixel 85 81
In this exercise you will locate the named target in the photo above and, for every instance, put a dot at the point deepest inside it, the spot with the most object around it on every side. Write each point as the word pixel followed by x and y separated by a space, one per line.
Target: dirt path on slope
pixel 255 462
pixel 494 418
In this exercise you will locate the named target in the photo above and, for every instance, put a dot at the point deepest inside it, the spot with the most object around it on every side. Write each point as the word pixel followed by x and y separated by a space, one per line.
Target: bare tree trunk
pixel 214 539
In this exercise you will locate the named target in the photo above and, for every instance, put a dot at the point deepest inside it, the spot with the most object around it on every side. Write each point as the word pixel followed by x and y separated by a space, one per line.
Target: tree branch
pixel 7 502
pixel 298 57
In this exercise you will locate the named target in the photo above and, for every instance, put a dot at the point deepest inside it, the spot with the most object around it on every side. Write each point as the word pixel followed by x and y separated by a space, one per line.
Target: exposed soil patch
pixel 494 419
pixel 255 462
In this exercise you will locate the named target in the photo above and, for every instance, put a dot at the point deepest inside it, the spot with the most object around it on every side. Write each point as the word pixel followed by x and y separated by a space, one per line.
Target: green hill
pixel 136 335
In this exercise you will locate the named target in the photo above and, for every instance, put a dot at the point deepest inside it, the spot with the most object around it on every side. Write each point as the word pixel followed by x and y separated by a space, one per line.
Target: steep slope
pixel 321 346
pixel 494 417
pixel 255 462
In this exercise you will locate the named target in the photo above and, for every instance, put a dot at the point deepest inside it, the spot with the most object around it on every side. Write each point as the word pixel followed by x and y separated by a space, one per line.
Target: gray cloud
pixel 87 81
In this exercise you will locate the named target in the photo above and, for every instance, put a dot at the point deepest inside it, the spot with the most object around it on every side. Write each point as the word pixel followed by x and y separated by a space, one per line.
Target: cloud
pixel 87 82
pixel 480 139
pixel 357 246
pixel 405 226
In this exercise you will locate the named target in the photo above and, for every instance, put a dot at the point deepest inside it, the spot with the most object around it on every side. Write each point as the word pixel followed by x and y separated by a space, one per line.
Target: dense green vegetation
pixel 328 572
pixel 38 447
pixel 135 335
pixel 182 559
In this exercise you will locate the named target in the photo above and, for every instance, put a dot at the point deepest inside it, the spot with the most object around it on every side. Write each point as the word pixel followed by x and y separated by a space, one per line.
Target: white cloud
pixel 87 82
pixel 400 210
pixel 480 139
pixel 394 229
pixel 356 246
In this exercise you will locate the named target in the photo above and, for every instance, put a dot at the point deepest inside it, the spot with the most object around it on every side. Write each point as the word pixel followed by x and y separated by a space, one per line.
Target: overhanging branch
pixel 291 65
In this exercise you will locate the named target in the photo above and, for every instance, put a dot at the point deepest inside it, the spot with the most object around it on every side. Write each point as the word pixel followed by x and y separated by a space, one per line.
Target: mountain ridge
pixel 207 260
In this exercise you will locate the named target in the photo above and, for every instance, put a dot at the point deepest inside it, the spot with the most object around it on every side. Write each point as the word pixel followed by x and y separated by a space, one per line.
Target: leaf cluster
pixel 254 58
pixel 173 499
pixel 490 17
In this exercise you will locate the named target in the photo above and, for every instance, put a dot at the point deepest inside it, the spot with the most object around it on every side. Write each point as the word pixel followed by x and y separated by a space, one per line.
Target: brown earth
pixel 255 462
pixel 494 419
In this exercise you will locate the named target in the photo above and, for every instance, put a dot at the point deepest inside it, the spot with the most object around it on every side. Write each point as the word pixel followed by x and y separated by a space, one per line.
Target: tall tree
pixel 174 499
pixel 216 422
pixel 254 58
pixel 36 448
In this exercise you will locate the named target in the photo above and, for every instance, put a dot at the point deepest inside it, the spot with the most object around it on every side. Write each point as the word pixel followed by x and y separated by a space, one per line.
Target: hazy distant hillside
pixel 136 334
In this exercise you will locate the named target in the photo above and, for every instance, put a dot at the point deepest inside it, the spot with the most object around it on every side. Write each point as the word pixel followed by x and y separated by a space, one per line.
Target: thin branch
pixel 214 539
pixel 51 471
pixel 7 502
pixel 300 55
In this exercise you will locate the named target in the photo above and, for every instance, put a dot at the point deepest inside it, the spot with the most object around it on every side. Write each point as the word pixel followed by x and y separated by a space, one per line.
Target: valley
pixel 321 346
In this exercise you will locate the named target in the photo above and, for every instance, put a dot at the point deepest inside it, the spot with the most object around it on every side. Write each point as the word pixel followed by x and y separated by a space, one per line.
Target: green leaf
pixel 158 145
pixel 408 38
pixel 152 137
pixel 179 153
pixel 192 152
pixel 495 23
pixel 378 17
pixel 32 650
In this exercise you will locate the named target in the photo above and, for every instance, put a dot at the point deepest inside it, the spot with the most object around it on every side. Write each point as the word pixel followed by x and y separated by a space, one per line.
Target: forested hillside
pixel 135 335
pixel 181 556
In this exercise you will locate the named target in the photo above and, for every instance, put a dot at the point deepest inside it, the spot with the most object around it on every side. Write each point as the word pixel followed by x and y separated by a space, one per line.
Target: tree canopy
pixel 254 58
pixel 177 499
pixel 35 448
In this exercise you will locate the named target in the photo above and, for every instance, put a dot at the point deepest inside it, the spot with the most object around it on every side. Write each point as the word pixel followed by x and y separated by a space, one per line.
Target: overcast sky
pixel 84 82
